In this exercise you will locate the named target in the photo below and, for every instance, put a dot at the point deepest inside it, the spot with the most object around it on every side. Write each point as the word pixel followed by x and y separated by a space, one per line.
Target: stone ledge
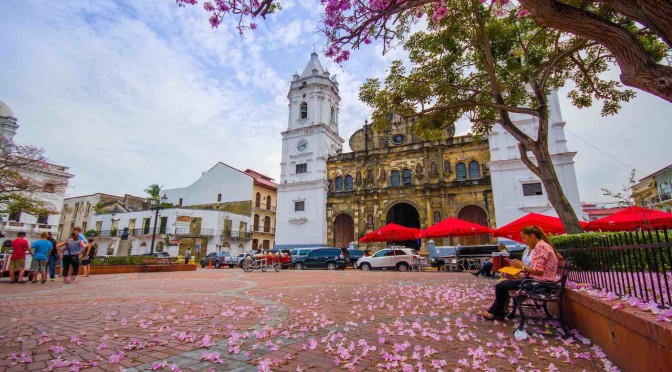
pixel 630 337
pixel 121 269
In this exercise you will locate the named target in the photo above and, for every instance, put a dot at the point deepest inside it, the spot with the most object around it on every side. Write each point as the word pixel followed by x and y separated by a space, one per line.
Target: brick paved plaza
pixel 292 320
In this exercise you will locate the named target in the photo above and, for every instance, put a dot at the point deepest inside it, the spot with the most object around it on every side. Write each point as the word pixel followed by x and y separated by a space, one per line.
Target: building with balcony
pixel 263 209
pixel 51 197
pixel 77 211
pixel 655 190
pixel 177 229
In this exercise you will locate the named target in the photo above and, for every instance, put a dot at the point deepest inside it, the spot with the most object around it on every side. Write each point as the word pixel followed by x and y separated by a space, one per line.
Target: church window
pixel 179 203
pixel 299 206
pixel 219 197
pixel 304 110
pixel 461 171
pixel 474 170
pixel 49 187
pixel 532 189
pixel 302 168
pixel 333 114
pixel 348 183
pixel 395 178
pixel 406 177
pixel 339 183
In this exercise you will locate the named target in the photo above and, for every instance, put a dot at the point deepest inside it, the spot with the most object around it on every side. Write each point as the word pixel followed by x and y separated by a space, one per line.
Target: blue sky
pixel 129 93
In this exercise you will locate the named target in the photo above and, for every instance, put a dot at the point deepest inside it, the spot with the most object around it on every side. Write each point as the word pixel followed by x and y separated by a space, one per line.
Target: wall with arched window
pixel 474 170
pixel 348 183
pixel 339 183
pixel 406 177
pixel 460 171
pixel 267 224
pixel 257 201
pixel 268 202
pixel 303 110
pixel 395 178
pixel 256 222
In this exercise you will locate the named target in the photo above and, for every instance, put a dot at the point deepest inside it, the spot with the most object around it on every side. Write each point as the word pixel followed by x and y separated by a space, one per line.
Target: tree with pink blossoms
pixel 19 187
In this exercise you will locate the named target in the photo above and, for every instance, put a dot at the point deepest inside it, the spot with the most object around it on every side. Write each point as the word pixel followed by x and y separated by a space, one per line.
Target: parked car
pixel 300 253
pixel 330 258
pixel 356 254
pixel 391 258
pixel 218 259
pixel 460 258
pixel 242 257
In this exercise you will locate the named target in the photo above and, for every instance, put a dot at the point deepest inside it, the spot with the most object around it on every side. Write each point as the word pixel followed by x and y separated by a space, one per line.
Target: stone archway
pixel 344 230
pixel 475 214
pixel 404 214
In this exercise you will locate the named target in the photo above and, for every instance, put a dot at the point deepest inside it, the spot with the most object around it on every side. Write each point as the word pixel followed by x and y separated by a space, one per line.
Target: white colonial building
pixel 311 137
pixel 52 197
pixel 516 190
pixel 220 211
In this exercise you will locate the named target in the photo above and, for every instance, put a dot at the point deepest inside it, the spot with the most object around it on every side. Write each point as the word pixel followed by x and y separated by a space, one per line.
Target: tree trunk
pixel 638 69
pixel 546 172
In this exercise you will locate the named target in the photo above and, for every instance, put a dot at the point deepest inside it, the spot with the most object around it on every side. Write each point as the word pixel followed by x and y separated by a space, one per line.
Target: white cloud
pixel 133 93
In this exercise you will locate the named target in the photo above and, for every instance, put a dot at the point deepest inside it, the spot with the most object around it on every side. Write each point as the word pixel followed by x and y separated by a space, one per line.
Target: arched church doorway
pixel 404 214
pixel 475 214
pixel 344 230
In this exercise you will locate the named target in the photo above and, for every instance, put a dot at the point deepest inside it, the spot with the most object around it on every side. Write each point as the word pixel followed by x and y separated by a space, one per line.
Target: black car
pixel 217 259
pixel 356 254
pixel 330 258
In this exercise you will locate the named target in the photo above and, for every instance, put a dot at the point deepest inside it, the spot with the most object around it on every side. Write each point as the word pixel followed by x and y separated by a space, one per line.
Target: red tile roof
pixel 262 180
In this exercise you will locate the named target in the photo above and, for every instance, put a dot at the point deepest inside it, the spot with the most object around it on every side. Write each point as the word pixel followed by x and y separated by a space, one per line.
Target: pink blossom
pixel 116 358
pixel 522 13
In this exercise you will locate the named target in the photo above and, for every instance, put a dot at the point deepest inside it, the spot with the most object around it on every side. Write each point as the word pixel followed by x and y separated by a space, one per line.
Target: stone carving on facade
pixel 446 167
pixel 369 176
pixel 382 176
pixel 298 221
pixel 418 172
pixel 358 178
pixel 433 171
pixel 369 222
pixel 437 216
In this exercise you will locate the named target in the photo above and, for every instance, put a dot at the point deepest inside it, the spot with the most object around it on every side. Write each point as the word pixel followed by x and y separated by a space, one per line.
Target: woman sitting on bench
pixel 543 266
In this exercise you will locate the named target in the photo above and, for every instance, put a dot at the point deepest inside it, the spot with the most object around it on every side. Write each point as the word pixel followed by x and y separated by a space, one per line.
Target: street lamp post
pixel 156 208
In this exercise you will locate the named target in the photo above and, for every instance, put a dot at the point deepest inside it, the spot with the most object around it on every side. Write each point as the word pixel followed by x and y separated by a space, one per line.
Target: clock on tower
pixel 302 145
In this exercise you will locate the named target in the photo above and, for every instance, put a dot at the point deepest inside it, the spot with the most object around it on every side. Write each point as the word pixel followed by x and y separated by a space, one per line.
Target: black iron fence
pixel 636 264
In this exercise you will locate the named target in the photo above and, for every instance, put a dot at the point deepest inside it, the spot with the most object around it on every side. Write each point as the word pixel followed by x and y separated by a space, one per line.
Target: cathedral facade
pixel 394 176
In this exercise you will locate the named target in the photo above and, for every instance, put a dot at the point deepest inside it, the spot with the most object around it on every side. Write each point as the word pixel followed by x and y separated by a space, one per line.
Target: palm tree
pixel 153 191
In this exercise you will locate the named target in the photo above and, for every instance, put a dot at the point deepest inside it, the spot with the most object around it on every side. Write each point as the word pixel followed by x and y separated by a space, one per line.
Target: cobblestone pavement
pixel 292 320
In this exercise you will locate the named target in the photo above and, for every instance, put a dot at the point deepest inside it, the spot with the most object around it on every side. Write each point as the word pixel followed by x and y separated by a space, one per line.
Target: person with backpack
pixel 70 252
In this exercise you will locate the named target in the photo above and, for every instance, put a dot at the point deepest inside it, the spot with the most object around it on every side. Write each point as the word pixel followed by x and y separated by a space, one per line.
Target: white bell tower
pixel 311 137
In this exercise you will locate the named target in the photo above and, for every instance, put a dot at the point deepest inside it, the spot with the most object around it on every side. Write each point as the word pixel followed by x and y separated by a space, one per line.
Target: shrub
pixel 120 260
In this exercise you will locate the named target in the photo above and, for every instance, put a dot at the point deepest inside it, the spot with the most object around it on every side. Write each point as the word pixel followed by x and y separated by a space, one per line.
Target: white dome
pixel 5 111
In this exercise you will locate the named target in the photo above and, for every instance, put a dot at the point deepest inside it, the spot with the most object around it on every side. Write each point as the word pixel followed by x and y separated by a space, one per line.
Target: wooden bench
pixel 536 295
pixel 154 264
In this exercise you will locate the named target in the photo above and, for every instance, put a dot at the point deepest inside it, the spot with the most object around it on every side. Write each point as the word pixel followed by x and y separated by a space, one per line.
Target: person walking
pixel 17 260
pixel 53 258
pixel 70 253
pixel 187 256
pixel 87 257
pixel 41 250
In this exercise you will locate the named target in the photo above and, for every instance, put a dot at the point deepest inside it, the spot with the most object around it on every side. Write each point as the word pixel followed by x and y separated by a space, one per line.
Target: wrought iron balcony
pixel 263 229
pixel 263 207
pixel 243 235
pixel 186 231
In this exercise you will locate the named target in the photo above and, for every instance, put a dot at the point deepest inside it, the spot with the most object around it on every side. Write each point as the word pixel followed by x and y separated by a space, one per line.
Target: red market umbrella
pixel 453 227
pixel 550 225
pixel 632 218
pixel 389 233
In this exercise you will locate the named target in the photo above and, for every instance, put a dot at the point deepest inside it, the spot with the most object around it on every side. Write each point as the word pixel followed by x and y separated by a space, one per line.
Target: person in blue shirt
pixel 41 250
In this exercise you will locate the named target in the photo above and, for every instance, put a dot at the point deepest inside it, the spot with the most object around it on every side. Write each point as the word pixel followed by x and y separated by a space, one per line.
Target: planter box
pixel 631 338
pixel 121 269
